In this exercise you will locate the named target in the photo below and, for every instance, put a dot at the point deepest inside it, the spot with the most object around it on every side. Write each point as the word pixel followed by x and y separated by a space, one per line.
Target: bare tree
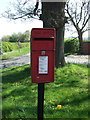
pixel 22 9
pixel 78 13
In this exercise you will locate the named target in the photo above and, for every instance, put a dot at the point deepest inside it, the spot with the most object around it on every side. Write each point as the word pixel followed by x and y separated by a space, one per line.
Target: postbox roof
pixel 43 32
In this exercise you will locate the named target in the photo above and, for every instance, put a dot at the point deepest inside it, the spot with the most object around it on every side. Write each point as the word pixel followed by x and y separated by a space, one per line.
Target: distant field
pixel 70 90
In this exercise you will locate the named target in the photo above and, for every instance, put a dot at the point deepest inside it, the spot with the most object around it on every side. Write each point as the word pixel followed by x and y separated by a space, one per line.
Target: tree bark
pixel 53 16
pixel 80 37
pixel 60 61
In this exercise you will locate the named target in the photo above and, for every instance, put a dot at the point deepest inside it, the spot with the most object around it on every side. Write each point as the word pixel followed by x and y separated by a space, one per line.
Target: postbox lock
pixel 43 52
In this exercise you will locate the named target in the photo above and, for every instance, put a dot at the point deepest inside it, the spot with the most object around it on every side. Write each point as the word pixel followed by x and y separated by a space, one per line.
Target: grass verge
pixel 17 53
pixel 70 90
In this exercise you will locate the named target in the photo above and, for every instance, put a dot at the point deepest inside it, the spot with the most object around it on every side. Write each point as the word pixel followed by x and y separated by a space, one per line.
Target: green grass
pixel 16 53
pixel 70 90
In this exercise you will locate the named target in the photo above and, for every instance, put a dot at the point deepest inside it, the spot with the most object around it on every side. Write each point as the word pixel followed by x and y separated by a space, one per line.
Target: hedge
pixel 8 46
pixel 71 45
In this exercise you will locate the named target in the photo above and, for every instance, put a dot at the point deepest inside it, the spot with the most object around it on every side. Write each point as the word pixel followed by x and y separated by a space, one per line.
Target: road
pixel 78 59
pixel 17 61
pixel 25 59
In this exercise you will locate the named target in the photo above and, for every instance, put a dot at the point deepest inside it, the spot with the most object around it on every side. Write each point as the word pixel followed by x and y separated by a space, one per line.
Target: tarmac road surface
pixel 25 59
pixel 17 61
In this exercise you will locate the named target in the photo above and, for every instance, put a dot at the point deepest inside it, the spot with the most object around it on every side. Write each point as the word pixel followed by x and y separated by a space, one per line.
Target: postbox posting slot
pixel 43 38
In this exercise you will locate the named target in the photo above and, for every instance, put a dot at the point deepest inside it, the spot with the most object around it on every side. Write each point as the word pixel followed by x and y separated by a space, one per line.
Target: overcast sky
pixel 9 27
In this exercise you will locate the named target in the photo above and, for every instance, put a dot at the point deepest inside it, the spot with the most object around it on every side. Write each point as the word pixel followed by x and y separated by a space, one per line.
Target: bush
pixel 71 46
pixel 21 37
pixel 25 44
pixel 5 47
pixel 9 46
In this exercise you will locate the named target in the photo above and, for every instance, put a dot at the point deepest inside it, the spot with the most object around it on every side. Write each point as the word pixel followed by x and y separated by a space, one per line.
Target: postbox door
pixel 43 67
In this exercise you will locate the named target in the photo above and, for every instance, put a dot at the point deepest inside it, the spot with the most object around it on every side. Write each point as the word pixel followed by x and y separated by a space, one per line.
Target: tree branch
pixel 85 22
pixel 83 3
pixel 36 7
pixel 22 10
pixel 79 20
pixel 71 18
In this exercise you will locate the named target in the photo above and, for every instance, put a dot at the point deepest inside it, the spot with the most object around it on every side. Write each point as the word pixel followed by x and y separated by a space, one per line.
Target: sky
pixel 8 27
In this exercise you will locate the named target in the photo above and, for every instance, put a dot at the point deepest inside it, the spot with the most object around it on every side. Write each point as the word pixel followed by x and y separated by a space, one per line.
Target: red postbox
pixel 43 54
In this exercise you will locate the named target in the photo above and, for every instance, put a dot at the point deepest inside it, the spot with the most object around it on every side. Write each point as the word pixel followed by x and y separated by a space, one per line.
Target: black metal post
pixel 40 100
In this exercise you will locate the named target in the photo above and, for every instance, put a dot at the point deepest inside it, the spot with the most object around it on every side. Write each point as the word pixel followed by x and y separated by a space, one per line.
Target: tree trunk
pixel 80 37
pixel 60 61
pixel 53 16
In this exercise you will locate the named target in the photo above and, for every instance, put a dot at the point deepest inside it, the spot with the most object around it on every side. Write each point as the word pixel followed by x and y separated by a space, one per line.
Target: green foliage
pixel 25 44
pixel 8 46
pixel 86 40
pixel 5 38
pixel 70 89
pixel 71 46
pixel 13 54
pixel 19 37
pixel 24 37
pixel 25 48
pixel 13 38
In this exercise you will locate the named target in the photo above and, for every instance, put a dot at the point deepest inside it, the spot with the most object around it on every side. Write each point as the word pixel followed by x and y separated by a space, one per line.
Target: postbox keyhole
pixel 43 52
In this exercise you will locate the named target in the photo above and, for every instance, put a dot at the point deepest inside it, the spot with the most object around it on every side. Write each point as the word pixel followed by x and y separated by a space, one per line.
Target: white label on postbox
pixel 43 64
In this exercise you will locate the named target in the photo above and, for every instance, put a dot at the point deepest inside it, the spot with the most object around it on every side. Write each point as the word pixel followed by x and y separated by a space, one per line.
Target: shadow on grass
pixel 19 112
pixel 16 75
pixel 19 95
pixel 19 91
pixel 74 100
